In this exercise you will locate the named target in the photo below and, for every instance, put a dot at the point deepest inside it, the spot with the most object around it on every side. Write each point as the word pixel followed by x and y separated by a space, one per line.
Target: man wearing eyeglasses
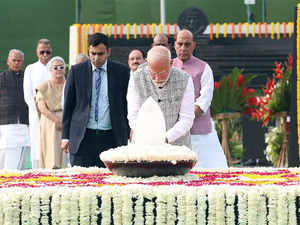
pixel 170 87
pixel 36 74
pixel 204 138
pixel 95 107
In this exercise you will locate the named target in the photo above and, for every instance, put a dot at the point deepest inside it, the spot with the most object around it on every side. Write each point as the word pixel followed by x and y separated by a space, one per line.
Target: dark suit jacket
pixel 77 102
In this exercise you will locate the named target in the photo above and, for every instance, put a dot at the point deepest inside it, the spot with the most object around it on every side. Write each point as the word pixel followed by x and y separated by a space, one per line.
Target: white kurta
pixel 208 147
pixel 186 114
pixel 13 140
pixel 34 75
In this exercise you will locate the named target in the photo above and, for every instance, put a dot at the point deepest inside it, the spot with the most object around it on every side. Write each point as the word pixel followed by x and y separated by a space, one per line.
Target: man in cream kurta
pixel 34 75
pixel 204 137
pixel 159 80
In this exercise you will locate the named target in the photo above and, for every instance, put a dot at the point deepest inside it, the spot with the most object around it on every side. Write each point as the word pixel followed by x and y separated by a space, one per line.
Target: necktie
pixel 98 85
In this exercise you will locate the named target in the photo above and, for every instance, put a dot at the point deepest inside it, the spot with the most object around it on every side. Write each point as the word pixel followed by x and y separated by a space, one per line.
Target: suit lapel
pixel 110 81
pixel 89 79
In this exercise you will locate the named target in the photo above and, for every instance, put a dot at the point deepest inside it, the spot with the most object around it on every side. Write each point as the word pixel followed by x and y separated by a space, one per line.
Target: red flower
pixel 249 111
pixel 240 80
pixel 290 61
pixel 252 101
pixel 244 92
pixel 216 84
pixel 250 91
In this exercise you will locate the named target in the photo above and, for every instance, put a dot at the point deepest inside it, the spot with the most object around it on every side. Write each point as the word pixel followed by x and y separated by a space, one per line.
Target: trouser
pixel 16 158
pixel 93 143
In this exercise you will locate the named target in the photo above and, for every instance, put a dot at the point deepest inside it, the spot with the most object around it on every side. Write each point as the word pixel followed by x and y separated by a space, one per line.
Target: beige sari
pixel 51 155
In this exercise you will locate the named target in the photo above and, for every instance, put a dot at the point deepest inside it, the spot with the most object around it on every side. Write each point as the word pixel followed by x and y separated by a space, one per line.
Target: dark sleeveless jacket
pixel 13 108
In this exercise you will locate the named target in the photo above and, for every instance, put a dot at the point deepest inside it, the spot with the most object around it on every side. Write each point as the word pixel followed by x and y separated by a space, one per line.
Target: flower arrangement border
pixel 155 202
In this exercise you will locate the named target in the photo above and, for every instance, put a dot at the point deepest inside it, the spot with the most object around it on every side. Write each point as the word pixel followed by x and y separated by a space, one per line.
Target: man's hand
pixel 130 135
pixel 198 111
pixel 65 146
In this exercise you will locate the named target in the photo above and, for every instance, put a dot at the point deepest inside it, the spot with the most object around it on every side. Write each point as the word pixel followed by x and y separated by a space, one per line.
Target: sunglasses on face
pixel 58 67
pixel 43 52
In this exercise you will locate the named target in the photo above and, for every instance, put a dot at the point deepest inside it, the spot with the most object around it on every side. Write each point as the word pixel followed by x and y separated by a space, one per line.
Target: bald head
pixel 161 39
pixel 184 45
pixel 159 62
pixel 158 54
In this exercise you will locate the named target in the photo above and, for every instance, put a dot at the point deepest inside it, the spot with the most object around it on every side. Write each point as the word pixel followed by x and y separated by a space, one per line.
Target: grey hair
pixel 12 51
pixel 44 41
pixel 56 58
pixel 81 55
pixel 158 53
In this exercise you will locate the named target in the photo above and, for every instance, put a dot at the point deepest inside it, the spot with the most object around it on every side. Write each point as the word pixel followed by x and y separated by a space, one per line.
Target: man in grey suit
pixel 95 107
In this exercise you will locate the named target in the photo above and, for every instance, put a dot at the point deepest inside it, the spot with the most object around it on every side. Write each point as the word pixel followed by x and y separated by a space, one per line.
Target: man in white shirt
pixel 36 74
pixel 14 131
pixel 158 79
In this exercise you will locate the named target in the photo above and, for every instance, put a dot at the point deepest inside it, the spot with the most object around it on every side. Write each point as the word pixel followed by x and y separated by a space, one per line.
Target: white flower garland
pixel 94 207
pixel 220 206
pixel 230 198
pixel 191 213
pixel 105 209
pixel 253 204
pixel 262 209
pixel 202 206
pixel 35 208
pixel 171 208
pixel 272 199
pixel 65 206
pixel 181 208
pixel 84 206
pixel 127 210
pixel 45 207
pixel 242 207
pixel 139 218
pixel 55 206
pixel 161 203
pixel 184 204
pixel 74 207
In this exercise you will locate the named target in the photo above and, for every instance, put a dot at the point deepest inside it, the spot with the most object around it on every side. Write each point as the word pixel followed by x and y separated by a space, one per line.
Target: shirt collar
pixel 190 60
pixel 104 66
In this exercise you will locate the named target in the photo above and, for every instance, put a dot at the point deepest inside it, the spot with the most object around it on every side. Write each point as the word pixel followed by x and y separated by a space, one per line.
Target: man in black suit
pixel 95 107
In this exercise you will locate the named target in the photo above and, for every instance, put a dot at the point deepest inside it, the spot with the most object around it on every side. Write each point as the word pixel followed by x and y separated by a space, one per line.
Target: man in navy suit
pixel 95 107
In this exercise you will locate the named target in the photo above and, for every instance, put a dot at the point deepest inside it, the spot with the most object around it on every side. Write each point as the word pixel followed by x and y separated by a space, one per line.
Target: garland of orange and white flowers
pixel 266 204
pixel 79 32
pixel 298 74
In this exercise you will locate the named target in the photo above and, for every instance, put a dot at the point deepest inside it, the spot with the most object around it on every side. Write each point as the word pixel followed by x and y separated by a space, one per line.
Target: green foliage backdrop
pixel 23 22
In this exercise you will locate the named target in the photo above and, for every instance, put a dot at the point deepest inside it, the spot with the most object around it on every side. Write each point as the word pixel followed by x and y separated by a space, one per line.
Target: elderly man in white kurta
pixel 35 74
pixel 204 137
pixel 170 87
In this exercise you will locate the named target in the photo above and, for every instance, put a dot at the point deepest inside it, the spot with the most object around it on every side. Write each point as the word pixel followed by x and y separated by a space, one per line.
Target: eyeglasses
pixel 58 67
pixel 43 52
pixel 97 53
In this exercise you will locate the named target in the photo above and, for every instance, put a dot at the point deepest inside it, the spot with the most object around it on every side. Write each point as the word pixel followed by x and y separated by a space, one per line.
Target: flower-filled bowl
pixel 147 161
